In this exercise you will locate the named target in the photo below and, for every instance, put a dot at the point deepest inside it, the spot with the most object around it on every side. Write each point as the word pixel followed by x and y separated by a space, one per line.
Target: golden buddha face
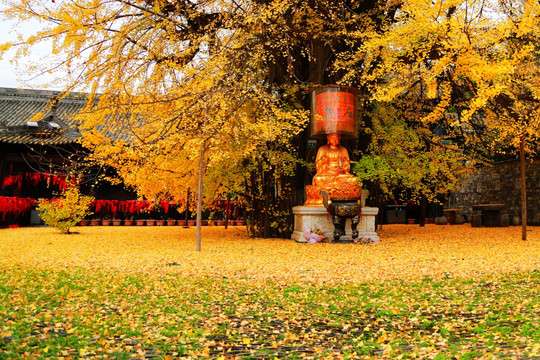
pixel 333 139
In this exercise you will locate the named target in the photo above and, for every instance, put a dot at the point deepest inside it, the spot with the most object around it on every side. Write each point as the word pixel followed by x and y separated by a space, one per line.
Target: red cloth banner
pixel 15 205
pixel 32 179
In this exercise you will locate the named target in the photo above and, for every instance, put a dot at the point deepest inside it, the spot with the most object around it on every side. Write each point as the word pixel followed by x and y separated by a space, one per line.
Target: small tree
pixel 66 211
pixel 412 160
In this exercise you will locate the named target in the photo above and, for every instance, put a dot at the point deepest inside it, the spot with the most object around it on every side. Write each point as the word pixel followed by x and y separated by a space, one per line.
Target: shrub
pixel 66 211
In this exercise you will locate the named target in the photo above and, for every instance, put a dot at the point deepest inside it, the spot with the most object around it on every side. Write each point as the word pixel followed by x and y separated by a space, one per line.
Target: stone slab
pixel 317 216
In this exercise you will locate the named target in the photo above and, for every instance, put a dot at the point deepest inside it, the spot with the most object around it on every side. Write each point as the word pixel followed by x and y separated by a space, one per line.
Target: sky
pixel 11 75
pixel 8 77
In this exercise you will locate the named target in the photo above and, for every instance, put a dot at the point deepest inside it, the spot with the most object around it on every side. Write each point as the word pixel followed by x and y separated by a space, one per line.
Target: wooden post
pixel 2 169
pixel 227 207
pixel 199 197
pixel 187 205
pixel 523 181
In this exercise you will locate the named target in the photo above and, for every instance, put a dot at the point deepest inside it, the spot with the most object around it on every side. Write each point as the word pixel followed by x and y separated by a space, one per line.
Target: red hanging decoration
pixel 14 205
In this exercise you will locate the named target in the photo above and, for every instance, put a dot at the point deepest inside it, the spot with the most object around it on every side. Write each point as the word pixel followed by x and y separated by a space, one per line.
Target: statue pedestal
pixel 317 216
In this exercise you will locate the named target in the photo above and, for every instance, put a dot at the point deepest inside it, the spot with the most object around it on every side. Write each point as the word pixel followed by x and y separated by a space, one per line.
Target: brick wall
pixel 499 184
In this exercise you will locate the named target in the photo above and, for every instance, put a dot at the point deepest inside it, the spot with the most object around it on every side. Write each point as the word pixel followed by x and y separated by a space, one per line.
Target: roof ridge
pixel 42 94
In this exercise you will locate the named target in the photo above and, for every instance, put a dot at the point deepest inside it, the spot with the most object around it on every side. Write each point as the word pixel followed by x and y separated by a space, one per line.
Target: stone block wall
pixel 499 184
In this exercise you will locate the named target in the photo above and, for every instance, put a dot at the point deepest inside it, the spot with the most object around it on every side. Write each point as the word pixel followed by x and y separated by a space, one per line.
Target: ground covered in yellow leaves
pixel 405 252
pixel 144 292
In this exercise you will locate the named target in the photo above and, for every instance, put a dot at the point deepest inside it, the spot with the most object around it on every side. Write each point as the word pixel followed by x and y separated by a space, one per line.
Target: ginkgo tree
pixel 477 59
pixel 169 79
pixel 177 76
pixel 514 115
pixel 408 160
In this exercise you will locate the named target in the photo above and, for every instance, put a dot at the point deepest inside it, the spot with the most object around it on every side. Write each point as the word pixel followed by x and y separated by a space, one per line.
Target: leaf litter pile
pixel 144 292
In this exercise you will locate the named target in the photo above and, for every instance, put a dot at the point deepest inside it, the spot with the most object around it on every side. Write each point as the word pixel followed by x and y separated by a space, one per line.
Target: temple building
pixel 38 136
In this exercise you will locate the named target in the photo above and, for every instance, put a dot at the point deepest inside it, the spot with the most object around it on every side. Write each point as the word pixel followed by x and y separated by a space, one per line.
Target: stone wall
pixel 499 184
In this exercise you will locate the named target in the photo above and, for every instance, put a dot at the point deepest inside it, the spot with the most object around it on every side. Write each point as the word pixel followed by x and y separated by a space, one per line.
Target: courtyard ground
pixel 128 292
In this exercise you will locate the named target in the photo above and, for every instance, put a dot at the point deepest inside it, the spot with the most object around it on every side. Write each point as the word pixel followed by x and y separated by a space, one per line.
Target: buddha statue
pixel 333 173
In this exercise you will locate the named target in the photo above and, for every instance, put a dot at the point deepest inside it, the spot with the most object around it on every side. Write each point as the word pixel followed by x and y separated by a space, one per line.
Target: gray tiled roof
pixel 19 106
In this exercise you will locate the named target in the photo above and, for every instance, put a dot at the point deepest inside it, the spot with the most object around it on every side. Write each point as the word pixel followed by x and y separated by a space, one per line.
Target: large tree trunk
pixel 523 190
pixel 423 210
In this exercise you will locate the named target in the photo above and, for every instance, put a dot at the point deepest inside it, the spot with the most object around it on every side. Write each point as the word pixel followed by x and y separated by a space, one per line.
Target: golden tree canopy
pixel 167 76
pixel 478 59
pixel 233 74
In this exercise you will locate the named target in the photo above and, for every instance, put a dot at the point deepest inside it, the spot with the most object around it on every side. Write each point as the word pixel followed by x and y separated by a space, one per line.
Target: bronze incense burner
pixel 340 209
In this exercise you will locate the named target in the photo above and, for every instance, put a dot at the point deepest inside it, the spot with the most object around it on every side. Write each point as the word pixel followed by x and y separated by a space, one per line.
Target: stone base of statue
pixel 309 217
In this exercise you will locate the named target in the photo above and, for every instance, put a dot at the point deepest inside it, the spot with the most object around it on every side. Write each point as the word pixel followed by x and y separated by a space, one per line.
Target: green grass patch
pixel 77 313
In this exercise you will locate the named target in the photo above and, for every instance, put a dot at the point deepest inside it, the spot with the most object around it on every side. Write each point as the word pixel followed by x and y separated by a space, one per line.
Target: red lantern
pixel 333 111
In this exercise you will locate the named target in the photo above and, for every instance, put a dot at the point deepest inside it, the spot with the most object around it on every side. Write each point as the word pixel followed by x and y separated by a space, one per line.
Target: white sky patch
pixel 16 75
